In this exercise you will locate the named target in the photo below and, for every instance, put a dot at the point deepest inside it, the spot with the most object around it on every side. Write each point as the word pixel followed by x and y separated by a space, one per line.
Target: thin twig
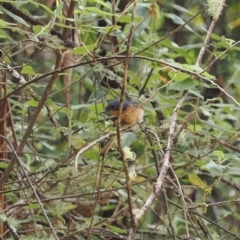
pixel 171 33
pixel 187 71
pixel 146 82
pixel 32 187
pixel 166 163
pixel 205 44
pixel 185 208
pixel 82 150
pixel 12 229
pixel 33 119
pixel 125 164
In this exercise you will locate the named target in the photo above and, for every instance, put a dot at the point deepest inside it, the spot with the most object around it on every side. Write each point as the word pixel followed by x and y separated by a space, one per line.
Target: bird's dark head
pixel 131 113
pixel 114 106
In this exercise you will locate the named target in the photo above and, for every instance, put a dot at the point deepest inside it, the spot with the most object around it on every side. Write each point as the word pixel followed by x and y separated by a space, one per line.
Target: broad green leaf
pixel 201 163
pixel 178 76
pixel 233 171
pixel 196 93
pixel 27 70
pixel 32 103
pixel 41 29
pixel 37 28
pixel 128 138
pixel 219 154
pixel 83 49
pixel 213 168
pixel 215 37
pixel 125 19
pixel 63 110
pixel 172 74
pixel 193 68
pixel 224 126
pixel 195 127
pixel 197 181
pixel 3 165
pixel 128 19
pixel 209 76
pixel 183 85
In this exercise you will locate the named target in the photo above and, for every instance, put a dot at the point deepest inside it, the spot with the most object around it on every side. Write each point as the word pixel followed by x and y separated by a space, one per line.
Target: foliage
pixel 62 62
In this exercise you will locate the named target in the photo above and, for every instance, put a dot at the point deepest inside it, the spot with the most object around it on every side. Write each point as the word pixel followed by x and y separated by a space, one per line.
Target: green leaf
pixel 3 165
pixel 233 171
pixel 32 206
pixel 128 138
pixel 201 163
pixel 15 17
pixel 193 68
pixel 28 70
pixel 108 29
pixel 183 85
pixel 32 103
pixel 4 35
pixel 37 28
pixel 128 19
pixel 41 5
pixel 209 76
pixel 176 19
pixel 219 154
pixel 196 93
pixel 64 110
pixel 79 106
pixel 178 76
pixel 104 4
pixel 58 10
pixel 98 11
pixel 83 49
pixel 181 9
pixel 116 229
pixel 197 181
pixel 195 127
pixel 213 168
pixel 6 24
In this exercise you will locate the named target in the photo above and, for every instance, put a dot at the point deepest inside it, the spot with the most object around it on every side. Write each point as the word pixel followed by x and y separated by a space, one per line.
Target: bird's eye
pixel 114 107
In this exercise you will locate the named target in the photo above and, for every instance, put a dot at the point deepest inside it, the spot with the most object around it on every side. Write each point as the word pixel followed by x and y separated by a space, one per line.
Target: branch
pixel 31 185
pixel 166 163
pixel 33 119
pixel 125 164
pixel 28 18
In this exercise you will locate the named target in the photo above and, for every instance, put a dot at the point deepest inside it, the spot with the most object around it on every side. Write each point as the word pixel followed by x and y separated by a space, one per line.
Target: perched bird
pixel 132 113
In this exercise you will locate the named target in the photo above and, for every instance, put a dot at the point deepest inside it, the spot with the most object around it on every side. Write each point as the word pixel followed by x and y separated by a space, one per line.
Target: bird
pixel 131 114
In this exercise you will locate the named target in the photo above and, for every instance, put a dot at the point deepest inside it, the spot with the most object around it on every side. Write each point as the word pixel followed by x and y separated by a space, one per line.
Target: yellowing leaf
pixel 195 180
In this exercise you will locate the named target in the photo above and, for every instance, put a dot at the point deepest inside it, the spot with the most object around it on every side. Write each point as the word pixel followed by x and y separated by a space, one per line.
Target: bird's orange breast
pixel 132 115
